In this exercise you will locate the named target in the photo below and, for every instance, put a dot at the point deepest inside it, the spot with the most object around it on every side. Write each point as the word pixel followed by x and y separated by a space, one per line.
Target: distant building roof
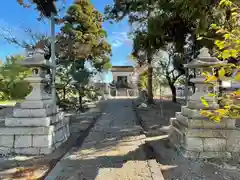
pixel 122 66
pixel 122 69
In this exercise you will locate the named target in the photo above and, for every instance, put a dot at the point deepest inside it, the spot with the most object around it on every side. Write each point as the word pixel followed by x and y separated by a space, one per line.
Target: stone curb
pixel 152 163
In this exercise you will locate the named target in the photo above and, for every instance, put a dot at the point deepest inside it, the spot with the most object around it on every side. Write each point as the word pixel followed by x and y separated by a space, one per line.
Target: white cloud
pixel 117 39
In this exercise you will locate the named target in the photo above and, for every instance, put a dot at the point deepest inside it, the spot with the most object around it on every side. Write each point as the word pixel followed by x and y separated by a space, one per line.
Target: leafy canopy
pixel 83 26
pixel 12 84
pixel 228 46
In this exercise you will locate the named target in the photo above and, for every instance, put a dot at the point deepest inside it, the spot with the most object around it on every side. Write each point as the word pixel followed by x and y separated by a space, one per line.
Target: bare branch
pixel 28 43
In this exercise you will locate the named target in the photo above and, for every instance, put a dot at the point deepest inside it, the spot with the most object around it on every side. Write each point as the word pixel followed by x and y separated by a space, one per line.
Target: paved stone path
pixel 113 150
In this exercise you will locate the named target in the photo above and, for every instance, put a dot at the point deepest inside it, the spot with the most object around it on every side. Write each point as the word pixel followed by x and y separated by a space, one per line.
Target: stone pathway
pixel 113 149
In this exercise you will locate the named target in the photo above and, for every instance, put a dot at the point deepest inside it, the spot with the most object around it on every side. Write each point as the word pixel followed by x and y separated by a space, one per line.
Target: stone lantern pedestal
pixel 36 127
pixel 196 136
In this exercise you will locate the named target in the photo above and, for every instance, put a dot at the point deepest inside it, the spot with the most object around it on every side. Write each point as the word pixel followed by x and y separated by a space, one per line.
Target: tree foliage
pixel 44 7
pixel 83 26
pixel 166 64
pixel 143 80
pixel 139 13
pixel 81 39
pixel 228 46
pixel 12 84
pixel 156 23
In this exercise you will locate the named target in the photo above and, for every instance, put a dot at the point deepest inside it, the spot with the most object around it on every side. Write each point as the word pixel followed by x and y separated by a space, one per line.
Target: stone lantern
pixel 38 97
pixel 196 136
pixel 204 62
pixel 36 127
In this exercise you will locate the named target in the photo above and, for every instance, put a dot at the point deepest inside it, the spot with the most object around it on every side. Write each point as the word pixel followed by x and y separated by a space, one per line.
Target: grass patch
pixel 9 102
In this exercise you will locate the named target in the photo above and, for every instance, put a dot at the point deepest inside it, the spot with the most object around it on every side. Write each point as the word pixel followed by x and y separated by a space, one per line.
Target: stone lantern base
pixel 28 135
pixel 199 137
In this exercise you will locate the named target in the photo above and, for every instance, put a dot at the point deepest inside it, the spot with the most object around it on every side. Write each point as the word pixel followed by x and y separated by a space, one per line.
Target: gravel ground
pixel 157 116
pixel 173 165
pixel 113 149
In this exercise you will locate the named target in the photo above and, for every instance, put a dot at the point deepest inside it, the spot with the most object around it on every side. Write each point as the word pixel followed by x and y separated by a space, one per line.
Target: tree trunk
pixel 64 93
pixel 80 101
pixel 57 99
pixel 174 93
pixel 150 86
pixel 194 87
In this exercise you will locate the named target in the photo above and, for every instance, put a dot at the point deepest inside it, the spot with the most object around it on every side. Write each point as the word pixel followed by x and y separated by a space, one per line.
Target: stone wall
pixel 199 137
pixel 33 140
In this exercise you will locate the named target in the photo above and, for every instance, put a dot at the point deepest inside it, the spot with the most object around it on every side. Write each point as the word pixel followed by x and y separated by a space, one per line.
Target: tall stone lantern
pixel 36 127
pixel 204 62
pixel 196 136
pixel 38 97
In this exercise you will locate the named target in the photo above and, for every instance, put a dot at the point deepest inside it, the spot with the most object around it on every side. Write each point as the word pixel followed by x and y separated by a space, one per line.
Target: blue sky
pixel 16 19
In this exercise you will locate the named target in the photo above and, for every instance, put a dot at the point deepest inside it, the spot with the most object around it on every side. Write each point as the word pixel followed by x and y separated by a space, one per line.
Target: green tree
pixel 12 84
pixel 227 47
pixel 83 30
pixel 158 22
pixel 165 67
pixel 83 39
pixel 81 78
pixel 63 80
pixel 139 13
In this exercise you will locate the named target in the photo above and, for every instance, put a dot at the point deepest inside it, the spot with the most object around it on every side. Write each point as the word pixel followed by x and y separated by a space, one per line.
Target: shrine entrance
pixel 122 84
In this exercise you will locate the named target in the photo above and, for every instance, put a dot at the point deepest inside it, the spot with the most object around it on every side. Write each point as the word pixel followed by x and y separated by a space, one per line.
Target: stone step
pixel 177 113
pixel 176 124
pixel 175 136
pixel 188 122
pixel 33 140
pixel 33 113
pixel 204 122
pixel 27 130
pixel 36 104
pixel 37 121
pixel 191 113
pixel 194 105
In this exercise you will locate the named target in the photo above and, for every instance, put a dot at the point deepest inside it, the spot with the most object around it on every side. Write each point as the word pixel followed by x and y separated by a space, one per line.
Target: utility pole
pixel 186 83
pixel 53 56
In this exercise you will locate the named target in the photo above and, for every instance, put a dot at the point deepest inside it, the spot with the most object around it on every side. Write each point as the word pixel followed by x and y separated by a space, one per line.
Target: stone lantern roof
pixel 204 59
pixel 36 59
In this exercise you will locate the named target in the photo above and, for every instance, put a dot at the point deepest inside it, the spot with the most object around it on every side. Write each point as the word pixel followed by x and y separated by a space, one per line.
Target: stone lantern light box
pixel 39 67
